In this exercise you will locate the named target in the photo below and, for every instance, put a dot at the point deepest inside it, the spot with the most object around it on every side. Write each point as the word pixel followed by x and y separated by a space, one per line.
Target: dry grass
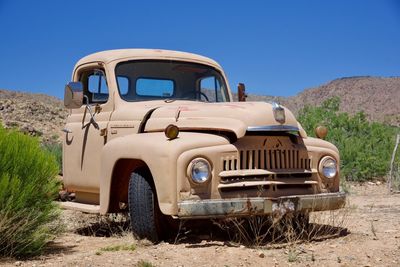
pixel 291 229
pixel 104 225
pixel 119 247
pixel 288 231
pixel 143 263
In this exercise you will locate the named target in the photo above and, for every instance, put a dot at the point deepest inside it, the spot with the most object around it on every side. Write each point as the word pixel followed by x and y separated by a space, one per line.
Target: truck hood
pixel 236 117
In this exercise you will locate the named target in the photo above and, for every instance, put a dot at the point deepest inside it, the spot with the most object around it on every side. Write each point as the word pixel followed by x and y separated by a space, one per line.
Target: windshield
pixel 161 79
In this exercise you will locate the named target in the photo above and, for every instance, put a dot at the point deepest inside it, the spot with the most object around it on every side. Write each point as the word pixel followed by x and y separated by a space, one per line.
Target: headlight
pixel 328 167
pixel 199 170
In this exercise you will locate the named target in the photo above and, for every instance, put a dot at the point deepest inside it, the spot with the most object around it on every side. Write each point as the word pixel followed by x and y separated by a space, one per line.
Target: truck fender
pixel 160 156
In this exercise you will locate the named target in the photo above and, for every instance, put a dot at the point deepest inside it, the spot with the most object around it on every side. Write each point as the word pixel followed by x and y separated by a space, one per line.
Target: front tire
pixel 143 208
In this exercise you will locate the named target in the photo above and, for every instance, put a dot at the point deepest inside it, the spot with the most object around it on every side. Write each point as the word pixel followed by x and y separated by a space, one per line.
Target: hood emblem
pixel 279 113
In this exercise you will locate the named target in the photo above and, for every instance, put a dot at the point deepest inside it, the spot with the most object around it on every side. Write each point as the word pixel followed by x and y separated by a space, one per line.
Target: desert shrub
pixel 28 215
pixel 365 147
pixel 56 150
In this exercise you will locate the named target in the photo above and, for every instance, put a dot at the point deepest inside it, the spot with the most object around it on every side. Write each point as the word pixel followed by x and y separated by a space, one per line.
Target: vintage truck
pixel 157 133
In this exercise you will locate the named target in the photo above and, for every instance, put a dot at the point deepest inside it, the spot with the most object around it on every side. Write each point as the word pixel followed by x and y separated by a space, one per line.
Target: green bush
pixel 28 215
pixel 56 150
pixel 365 147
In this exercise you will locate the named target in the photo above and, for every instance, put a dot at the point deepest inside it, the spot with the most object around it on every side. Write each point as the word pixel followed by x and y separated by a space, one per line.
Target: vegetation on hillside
pixel 28 186
pixel 55 149
pixel 365 147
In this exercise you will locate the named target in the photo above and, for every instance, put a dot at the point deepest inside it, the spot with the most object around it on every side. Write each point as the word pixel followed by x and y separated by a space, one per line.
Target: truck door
pixel 86 134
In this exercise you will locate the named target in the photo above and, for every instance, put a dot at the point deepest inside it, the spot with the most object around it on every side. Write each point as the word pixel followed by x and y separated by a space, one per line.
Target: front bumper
pixel 236 207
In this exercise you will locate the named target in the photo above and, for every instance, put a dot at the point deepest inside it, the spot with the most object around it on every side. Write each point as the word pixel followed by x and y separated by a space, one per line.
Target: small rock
pixel 17 263
pixel 350 258
pixel 241 246
pixel 378 182
pixel 261 255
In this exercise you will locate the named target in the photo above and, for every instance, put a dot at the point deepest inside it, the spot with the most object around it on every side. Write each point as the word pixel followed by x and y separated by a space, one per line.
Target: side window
pixel 212 90
pixel 96 86
pixel 123 85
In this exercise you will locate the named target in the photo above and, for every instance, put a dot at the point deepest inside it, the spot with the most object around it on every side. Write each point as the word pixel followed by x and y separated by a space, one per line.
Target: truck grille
pixel 268 160
pixel 267 166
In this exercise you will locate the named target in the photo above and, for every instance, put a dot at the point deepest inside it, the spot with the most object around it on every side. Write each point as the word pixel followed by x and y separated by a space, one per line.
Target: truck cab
pixel 157 133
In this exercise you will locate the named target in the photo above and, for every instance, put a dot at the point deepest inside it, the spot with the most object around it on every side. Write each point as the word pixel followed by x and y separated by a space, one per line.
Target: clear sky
pixel 275 47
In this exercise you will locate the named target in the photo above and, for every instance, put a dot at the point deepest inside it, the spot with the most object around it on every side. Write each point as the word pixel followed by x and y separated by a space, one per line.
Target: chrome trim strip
pixel 273 128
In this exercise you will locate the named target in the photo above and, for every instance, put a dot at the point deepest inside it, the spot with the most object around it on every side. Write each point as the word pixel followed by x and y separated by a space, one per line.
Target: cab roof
pixel 127 54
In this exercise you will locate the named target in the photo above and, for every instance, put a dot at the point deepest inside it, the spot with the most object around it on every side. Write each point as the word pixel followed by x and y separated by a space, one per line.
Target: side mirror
pixel 73 95
pixel 241 92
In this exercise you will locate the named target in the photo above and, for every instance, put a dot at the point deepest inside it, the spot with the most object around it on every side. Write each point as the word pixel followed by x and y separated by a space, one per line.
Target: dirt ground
pixel 367 233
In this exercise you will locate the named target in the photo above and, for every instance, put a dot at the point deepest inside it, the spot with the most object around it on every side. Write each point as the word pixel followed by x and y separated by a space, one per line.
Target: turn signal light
pixel 321 132
pixel 172 131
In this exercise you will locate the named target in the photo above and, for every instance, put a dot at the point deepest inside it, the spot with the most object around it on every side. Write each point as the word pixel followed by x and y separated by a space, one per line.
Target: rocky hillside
pixel 36 114
pixel 378 97
pixel 44 116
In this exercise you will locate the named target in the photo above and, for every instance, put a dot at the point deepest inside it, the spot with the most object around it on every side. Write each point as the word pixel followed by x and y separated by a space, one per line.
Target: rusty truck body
pixel 157 133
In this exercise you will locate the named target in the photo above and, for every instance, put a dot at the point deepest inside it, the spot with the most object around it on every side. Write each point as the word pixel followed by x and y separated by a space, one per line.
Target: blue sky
pixel 275 47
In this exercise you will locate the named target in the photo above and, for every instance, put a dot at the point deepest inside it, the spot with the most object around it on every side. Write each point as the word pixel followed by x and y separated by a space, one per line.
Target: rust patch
pixel 282 207
pixel 249 206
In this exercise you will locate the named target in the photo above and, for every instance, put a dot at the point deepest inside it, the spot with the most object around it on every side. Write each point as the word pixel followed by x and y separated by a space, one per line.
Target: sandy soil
pixel 367 233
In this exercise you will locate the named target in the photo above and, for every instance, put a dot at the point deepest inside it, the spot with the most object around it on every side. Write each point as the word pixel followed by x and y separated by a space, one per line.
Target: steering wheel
pixel 205 96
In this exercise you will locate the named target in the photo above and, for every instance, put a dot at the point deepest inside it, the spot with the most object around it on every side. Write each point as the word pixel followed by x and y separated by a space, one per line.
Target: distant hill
pixel 44 116
pixel 378 97
pixel 36 114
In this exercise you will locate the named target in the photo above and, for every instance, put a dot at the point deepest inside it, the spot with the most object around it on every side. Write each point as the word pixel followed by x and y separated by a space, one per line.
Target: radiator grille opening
pixel 267 165
pixel 268 160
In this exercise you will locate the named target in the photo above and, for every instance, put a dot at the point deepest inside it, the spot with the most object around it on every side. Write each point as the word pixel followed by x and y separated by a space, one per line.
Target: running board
pixel 87 208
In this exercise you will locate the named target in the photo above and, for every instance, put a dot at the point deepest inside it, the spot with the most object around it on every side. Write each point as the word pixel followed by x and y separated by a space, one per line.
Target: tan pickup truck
pixel 157 133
